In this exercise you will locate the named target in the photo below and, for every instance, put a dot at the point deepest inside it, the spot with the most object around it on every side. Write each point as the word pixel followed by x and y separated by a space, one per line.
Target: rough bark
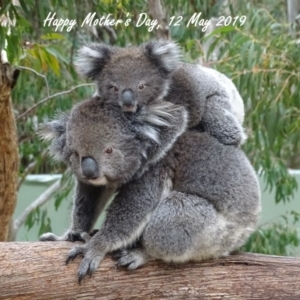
pixel 37 271
pixel 8 150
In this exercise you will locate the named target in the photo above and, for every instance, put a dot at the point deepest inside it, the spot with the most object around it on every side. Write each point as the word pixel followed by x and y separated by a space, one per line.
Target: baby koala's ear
pixel 91 59
pixel 164 54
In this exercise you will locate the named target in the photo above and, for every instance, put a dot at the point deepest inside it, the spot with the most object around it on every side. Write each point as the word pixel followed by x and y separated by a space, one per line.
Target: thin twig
pixel 42 199
pixel 52 96
pixel 38 74
pixel 283 88
pixel 28 169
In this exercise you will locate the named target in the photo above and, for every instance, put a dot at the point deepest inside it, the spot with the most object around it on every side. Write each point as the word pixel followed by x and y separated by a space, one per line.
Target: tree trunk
pixel 292 13
pixel 8 150
pixel 157 13
pixel 37 271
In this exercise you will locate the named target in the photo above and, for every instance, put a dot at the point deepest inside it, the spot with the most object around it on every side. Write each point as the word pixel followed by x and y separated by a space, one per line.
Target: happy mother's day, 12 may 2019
pixel 91 19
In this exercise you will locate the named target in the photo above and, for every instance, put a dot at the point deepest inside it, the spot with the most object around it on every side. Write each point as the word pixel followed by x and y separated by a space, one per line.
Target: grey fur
pixel 199 201
pixel 211 99
pixel 71 133
pixel 56 131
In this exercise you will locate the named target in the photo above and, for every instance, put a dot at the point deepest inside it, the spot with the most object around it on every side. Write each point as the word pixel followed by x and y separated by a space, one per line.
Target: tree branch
pixel 28 170
pixel 38 271
pixel 53 96
pixel 38 74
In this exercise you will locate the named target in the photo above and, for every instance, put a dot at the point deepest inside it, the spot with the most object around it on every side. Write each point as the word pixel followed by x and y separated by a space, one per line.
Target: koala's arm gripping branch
pixel 37 271
pixel 137 199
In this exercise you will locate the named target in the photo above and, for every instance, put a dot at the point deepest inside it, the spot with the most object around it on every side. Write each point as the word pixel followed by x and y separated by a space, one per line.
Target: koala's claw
pixel 118 254
pixel 90 262
pixel 74 252
pixel 74 237
pixel 131 259
pixel 85 237
pixel 93 232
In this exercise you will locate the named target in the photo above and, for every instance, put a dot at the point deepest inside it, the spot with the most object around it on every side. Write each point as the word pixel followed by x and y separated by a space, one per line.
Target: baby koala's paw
pixel 225 128
pixel 231 136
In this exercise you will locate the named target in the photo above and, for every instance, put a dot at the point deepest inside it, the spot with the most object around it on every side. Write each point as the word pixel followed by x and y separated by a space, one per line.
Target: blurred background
pixel 255 43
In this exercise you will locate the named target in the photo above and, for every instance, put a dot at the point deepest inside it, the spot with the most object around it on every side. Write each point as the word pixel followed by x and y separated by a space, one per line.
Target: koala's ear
pixel 91 59
pixel 164 54
pixel 51 130
pixel 55 131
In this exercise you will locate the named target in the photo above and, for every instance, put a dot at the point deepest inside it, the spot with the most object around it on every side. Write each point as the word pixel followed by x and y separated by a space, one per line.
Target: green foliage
pixel 260 56
pixel 67 185
pixel 277 238
pixel 39 216
pixel 263 61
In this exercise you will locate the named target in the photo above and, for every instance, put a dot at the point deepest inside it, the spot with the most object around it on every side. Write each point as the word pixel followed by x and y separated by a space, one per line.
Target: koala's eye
pixel 141 86
pixel 76 154
pixel 116 89
pixel 109 150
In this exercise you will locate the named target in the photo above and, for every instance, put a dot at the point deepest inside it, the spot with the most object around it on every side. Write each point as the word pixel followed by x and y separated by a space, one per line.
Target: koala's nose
pixel 127 98
pixel 89 168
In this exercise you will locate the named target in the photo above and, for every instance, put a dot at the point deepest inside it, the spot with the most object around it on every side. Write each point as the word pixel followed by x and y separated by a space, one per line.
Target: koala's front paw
pixel 131 259
pixel 92 257
pixel 69 236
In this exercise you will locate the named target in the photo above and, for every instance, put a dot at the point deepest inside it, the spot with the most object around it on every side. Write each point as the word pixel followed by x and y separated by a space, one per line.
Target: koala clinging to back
pixel 137 77
pixel 183 195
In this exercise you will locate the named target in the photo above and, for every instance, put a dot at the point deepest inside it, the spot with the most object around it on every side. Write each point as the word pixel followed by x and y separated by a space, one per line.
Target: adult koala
pixel 183 196
pixel 137 77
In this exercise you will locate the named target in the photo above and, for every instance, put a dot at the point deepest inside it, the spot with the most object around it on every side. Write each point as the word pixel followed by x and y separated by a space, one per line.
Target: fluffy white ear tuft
pixel 51 130
pixel 55 131
pixel 164 53
pixel 91 59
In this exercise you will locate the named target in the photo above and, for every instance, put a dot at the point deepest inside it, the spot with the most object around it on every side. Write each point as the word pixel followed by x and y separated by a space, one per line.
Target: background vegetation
pixel 261 56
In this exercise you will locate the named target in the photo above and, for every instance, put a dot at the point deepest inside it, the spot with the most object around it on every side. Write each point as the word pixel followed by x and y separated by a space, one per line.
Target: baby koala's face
pixel 131 77
pixel 102 149
pixel 131 80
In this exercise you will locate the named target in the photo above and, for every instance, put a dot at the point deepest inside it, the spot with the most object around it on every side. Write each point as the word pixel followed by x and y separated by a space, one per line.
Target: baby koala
pixel 137 77
pixel 183 195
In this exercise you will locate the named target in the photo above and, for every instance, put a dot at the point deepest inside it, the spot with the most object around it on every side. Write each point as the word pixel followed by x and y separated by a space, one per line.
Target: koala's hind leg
pixel 132 258
pixel 187 227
